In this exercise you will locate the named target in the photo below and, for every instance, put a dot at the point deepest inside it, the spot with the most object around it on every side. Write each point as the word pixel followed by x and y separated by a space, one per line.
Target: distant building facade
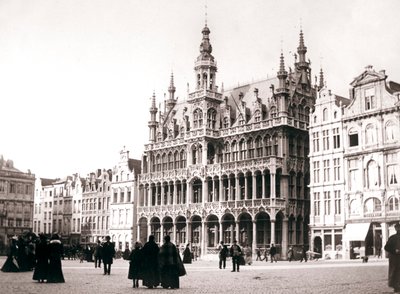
pixel 230 164
pixel 327 184
pixel 96 194
pixel 123 201
pixel 56 207
pixel 371 127
pixel 16 201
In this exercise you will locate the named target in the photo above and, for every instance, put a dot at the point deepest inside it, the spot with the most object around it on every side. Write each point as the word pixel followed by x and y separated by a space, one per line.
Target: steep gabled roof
pixel 135 165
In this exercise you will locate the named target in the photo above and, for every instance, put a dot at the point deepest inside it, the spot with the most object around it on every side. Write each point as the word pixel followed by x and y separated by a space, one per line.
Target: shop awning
pixel 357 232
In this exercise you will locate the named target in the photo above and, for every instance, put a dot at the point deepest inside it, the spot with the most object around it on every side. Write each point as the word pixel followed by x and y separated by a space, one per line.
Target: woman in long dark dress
pixel 42 260
pixel 55 274
pixel 151 271
pixel 169 264
pixel 11 264
pixel 187 255
pixel 135 265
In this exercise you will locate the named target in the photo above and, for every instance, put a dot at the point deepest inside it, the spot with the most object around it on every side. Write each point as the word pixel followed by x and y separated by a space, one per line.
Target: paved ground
pixel 205 277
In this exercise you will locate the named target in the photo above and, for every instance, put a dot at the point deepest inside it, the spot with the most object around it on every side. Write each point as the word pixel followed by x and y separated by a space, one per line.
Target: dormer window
pixel 370 99
pixel 241 120
pixel 257 116
pixel 325 114
pixel 197 118
pixel 226 122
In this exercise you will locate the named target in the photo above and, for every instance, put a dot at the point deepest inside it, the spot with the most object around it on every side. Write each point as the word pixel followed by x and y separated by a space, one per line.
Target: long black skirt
pixel 10 265
pixel 170 276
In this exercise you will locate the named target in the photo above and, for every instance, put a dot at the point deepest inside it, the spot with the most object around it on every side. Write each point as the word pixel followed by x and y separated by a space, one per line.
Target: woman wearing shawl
pixel 55 274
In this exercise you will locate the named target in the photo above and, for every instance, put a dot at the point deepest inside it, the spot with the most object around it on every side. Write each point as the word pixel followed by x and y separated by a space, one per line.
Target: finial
pixel 321 79
pixel 282 63
pixel 205 8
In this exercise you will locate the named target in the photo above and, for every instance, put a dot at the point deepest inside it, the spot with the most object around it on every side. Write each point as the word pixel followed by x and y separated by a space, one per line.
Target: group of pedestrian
pixel 156 265
pixel 44 256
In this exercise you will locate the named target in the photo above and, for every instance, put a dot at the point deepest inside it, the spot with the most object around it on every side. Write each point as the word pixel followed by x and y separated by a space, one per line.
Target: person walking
pixel 169 264
pixel 272 253
pixel 151 273
pixel 42 260
pixel 393 248
pixel 258 253
pixel 303 254
pixel 235 252
pixel 248 255
pixel 11 264
pixel 290 254
pixel 108 253
pixel 135 265
pixel 55 274
pixel 97 254
pixel 187 254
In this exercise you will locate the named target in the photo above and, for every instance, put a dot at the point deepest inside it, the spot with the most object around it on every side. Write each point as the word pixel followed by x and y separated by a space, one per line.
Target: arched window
pixel 176 160
pixel 183 159
pixel 164 162
pixel 268 145
pixel 170 161
pixel 182 132
pixel 250 148
pixel 325 114
pixel 391 132
pixel 393 203
pixel 370 137
pixel 372 205
pixel 227 151
pixel 158 161
pixel 259 149
pixel 234 148
pixel 159 137
pixel 372 174
pixel 197 118
pixel 211 118
pixel 242 150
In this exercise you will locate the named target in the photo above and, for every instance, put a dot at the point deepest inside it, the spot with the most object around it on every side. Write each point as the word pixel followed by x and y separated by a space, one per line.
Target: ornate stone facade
pixel 229 164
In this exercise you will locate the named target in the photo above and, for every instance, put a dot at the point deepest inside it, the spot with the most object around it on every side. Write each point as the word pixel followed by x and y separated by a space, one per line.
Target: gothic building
pixel 230 164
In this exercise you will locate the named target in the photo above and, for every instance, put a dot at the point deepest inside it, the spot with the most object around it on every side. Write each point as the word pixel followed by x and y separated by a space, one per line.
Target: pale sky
pixel 76 76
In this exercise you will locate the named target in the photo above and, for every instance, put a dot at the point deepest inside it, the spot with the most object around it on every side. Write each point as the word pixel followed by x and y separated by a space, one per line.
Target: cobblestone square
pixel 205 277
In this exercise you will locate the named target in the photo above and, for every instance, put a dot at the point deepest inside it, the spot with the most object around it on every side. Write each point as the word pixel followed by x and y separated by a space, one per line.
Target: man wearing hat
pixel 235 252
pixel 393 248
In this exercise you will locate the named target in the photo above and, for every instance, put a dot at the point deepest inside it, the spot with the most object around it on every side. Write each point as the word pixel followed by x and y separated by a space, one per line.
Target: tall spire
pixel 171 88
pixel 153 122
pixel 302 49
pixel 321 79
pixel 282 73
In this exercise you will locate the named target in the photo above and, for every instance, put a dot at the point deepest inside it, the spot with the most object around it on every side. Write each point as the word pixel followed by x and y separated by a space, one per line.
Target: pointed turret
pixel 321 79
pixel 205 65
pixel 153 122
pixel 170 103
pixel 303 66
pixel 282 75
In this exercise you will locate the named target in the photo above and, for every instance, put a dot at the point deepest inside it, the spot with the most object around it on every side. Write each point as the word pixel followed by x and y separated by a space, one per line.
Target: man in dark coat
pixel 187 255
pixel 169 261
pixel 235 252
pixel 151 273
pixel 108 253
pixel 272 253
pixel 97 254
pixel 135 265
pixel 393 248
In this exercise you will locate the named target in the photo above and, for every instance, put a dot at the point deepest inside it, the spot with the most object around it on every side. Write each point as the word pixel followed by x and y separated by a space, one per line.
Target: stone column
pixel 148 230
pixel 188 193
pixel 284 245
pixel 254 190
pixel 173 239
pixel 162 193
pixel 221 190
pixel 272 186
pixel 237 188
pixel 221 232
pixel 138 232
pixel 161 232
pixel 213 191
pixel 246 184
pixel 232 232
pixel 272 231
pixel 237 231
pixel 254 241
pixel 205 192
pixel 174 195
pixel 203 238
pixel 263 186
pixel 188 232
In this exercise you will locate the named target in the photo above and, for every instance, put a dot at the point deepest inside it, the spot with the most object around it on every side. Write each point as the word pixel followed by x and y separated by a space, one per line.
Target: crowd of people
pixel 153 264
pixel 27 253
